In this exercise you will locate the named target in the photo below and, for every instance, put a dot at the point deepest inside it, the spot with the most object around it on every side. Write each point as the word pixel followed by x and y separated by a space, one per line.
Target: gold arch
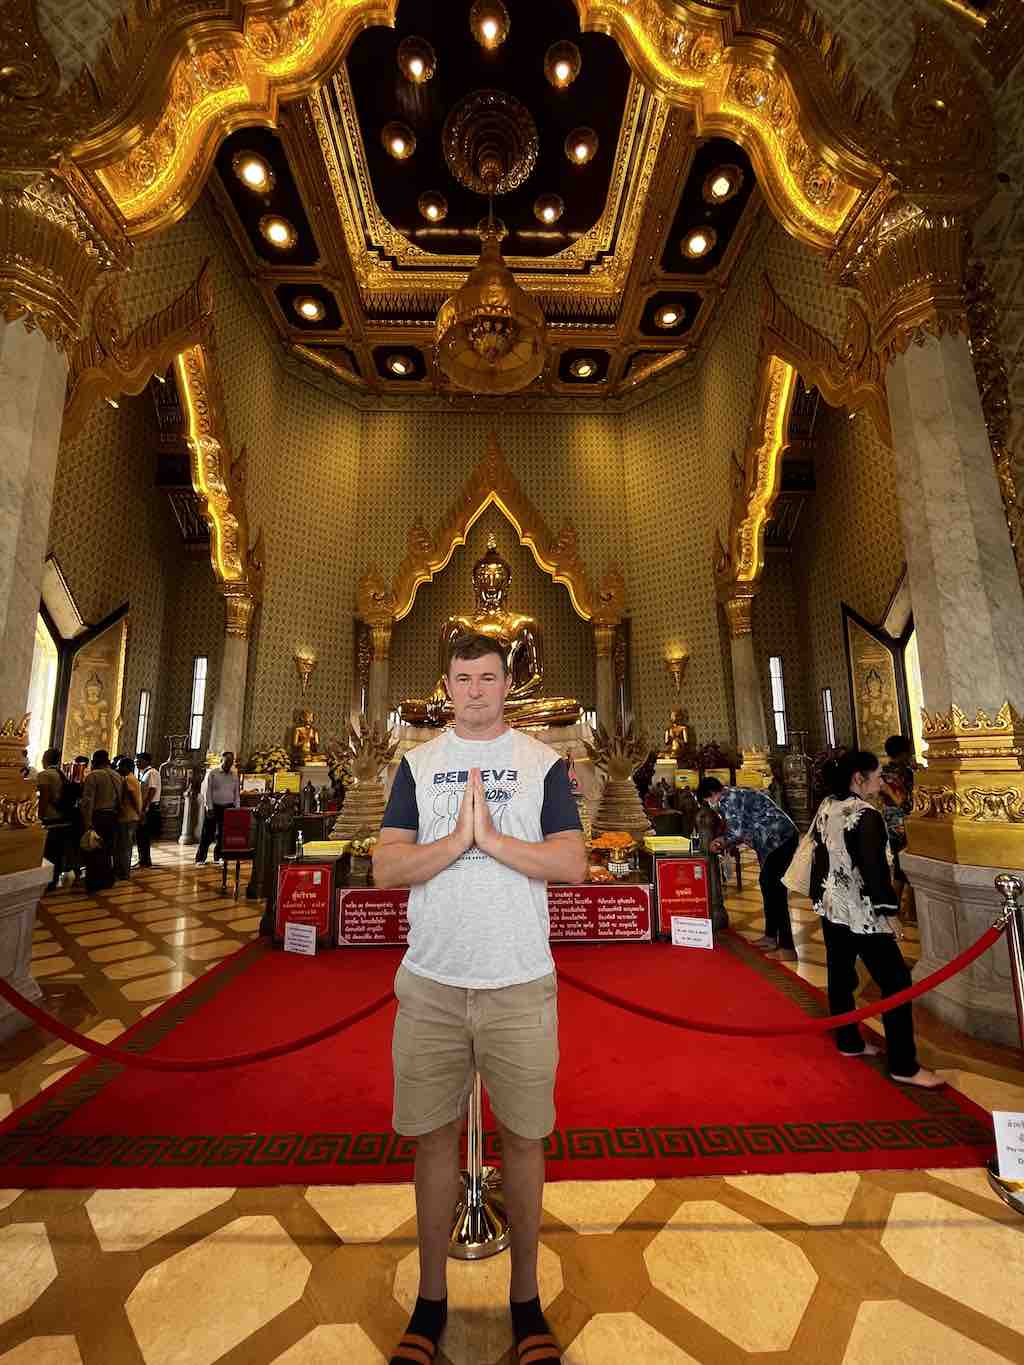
pixel 764 72
pixel 850 375
pixel 491 482
pixel 111 362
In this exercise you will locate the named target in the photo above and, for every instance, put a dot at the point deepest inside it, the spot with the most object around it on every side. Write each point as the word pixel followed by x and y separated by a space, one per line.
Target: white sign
pixel 1009 1144
pixel 300 938
pixel 691 931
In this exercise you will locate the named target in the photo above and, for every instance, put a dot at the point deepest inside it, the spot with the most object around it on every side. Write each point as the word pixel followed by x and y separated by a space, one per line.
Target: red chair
pixel 236 843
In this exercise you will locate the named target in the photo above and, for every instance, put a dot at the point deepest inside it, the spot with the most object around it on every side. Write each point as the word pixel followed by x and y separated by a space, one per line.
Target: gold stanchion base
pixel 1009 1191
pixel 481 1228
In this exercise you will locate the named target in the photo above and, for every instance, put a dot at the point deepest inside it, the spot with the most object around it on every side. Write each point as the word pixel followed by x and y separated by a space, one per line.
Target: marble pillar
pixel 228 707
pixel 380 674
pixel 968 606
pixel 33 375
pixel 604 648
pixel 751 729
pixel 19 897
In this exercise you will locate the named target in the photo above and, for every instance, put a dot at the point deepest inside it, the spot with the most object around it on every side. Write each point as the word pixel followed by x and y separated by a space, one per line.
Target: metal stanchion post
pixel 1011 889
pixel 481 1225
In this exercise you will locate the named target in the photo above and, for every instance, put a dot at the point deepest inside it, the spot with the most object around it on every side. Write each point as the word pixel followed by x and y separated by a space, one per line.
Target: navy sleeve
pixel 559 811
pixel 402 811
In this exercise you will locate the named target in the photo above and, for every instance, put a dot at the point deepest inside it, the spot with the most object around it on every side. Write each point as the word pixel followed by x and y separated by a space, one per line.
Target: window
pixel 142 733
pixel 195 723
pixel 778 699
pixel 830 720
pixel 42 692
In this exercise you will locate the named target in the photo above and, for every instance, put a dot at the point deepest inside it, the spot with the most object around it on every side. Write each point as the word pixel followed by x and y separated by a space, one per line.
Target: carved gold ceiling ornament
pixel 491 482
pixel 111 361
pixel 994 388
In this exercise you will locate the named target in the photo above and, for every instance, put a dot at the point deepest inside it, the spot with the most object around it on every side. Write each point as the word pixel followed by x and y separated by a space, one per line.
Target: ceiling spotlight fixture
pixel 581 146
pixel 722 184
pixel 433 206
pixel 416 60
pixel 489 23
pixel 667 315
pixel 699 242
pixel 562 64
pixel 548 208
pixel 583 368
pixel 399 365
pixel 278 231
pixel 399 140
pixel 310 309
pixel 254 173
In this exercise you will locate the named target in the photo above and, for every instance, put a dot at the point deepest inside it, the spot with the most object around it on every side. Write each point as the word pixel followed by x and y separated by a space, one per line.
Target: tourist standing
pixel 478 821
pixel 128 818
pixel 54 814
pixel 852 891
pixel 753 818
pixel 218 793
pixel 100 806
pixel 149 823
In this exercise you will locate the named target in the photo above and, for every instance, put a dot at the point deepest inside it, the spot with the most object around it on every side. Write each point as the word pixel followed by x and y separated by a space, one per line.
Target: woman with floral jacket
pixel 852 891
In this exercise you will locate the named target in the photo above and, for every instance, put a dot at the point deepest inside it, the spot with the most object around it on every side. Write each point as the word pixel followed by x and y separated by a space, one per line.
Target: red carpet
pixel 634 1098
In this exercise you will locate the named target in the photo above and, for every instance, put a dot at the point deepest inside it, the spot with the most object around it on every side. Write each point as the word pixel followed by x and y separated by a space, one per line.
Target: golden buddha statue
pixel 305 741
pixel 516 636
pixel 679 737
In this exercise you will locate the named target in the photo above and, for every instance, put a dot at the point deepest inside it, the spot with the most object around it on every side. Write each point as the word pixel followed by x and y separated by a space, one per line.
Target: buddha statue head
pixel 491 578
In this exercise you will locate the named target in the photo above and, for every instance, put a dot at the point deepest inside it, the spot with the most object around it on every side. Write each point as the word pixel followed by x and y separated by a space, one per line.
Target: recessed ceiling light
pixel 399 140
pixel 562 64
pixel 583 368
pixel 433 206
pixel 548 208
pixel 581 146
pixel 400 365
pixel 699 242
pixel 667 315
pixel 416 60
pixel 489 23
pixel 310 309
pixel 253 171
pixel 722 183
pixel 278 231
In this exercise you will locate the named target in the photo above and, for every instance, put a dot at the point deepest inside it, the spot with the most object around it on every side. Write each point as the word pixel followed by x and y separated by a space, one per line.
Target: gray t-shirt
pixel 479 924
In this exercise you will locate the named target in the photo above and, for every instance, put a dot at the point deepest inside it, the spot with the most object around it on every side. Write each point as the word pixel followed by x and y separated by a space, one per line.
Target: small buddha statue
pixel 679 736
pixel 516 636
pixel 305 741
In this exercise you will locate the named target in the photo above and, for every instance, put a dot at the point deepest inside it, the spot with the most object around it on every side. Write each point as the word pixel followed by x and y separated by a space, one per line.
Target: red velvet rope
pixel 266 1054
pixel 832 1021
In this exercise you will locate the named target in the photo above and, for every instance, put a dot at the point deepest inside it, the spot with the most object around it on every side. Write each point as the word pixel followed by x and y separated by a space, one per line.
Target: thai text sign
pixel 372 916
pixel 682 886
pixel 599 914
pixel 304 897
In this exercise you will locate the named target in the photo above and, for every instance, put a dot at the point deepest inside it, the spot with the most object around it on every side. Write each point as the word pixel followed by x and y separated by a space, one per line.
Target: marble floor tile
pixel 51 966
pixel 26 1267
pixel 153 987
pixel 127 1220
pixel 328 1345
pixel 896 1334
pixel 230 916
pixel 188 936
pixel 594 1207
pixel 120 952
pixel 103 1032
pixel 59 1350
pixel 175 925
pixel 971 1181
pixel 234 1282
pixel 363 1213
pixel 987 1091
pixel 108 922
pixel 820 1200
pixel 7 1198
pixel 138 966
pixel 54 1077
pixel 245 924
pixel 40 951
pixel 614 1338
pixel 107 936
pixel 207 952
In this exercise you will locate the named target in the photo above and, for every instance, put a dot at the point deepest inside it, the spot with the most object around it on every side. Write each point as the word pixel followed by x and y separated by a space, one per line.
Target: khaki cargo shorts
pixel 443 1033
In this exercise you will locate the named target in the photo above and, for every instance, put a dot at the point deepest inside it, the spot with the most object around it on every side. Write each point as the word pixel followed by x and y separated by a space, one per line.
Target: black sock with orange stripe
pixel 419 1343
pixel 534 1343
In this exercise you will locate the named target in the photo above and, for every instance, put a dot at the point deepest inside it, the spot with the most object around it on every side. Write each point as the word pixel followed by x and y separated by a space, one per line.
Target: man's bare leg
pixel 523 1186
pixel 438 1187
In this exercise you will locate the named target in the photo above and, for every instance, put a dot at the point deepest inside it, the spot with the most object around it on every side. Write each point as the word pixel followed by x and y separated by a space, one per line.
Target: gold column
pixel 229 706
pixel 604 648
pixel 380 664
pixel 751 731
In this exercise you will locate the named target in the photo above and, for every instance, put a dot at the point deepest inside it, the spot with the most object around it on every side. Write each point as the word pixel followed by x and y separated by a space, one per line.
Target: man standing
pixel 753 818
pixel 218 793
pixel 478 821
pixel 149 823
pixel 54 815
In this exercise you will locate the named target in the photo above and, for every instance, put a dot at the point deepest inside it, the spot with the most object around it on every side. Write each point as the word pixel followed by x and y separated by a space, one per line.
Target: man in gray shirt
pixel 478 822
pixel 218 793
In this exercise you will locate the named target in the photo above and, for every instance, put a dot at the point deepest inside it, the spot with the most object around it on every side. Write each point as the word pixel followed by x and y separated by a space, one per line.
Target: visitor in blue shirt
pixel 753 818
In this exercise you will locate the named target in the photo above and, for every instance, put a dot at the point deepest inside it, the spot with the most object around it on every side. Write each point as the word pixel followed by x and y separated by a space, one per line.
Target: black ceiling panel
pixel 694 212
pixel 686 302
pixel 596 99
pixel 287 295
pixel 568 358
pixel 382 354
pixel 282 199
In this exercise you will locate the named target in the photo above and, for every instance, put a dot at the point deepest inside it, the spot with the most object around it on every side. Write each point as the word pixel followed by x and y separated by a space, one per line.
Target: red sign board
pixel 372 916
pixel 599 914
pixel 237 833
pixel 682 886
pixel 304 897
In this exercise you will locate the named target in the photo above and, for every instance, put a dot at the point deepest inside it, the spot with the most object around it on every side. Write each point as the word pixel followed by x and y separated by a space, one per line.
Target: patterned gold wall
pixel 567 639
pixel 778 629
pixel 194 626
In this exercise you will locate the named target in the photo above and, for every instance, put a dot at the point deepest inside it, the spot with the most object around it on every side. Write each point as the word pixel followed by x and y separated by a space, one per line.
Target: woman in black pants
pixel 851 889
